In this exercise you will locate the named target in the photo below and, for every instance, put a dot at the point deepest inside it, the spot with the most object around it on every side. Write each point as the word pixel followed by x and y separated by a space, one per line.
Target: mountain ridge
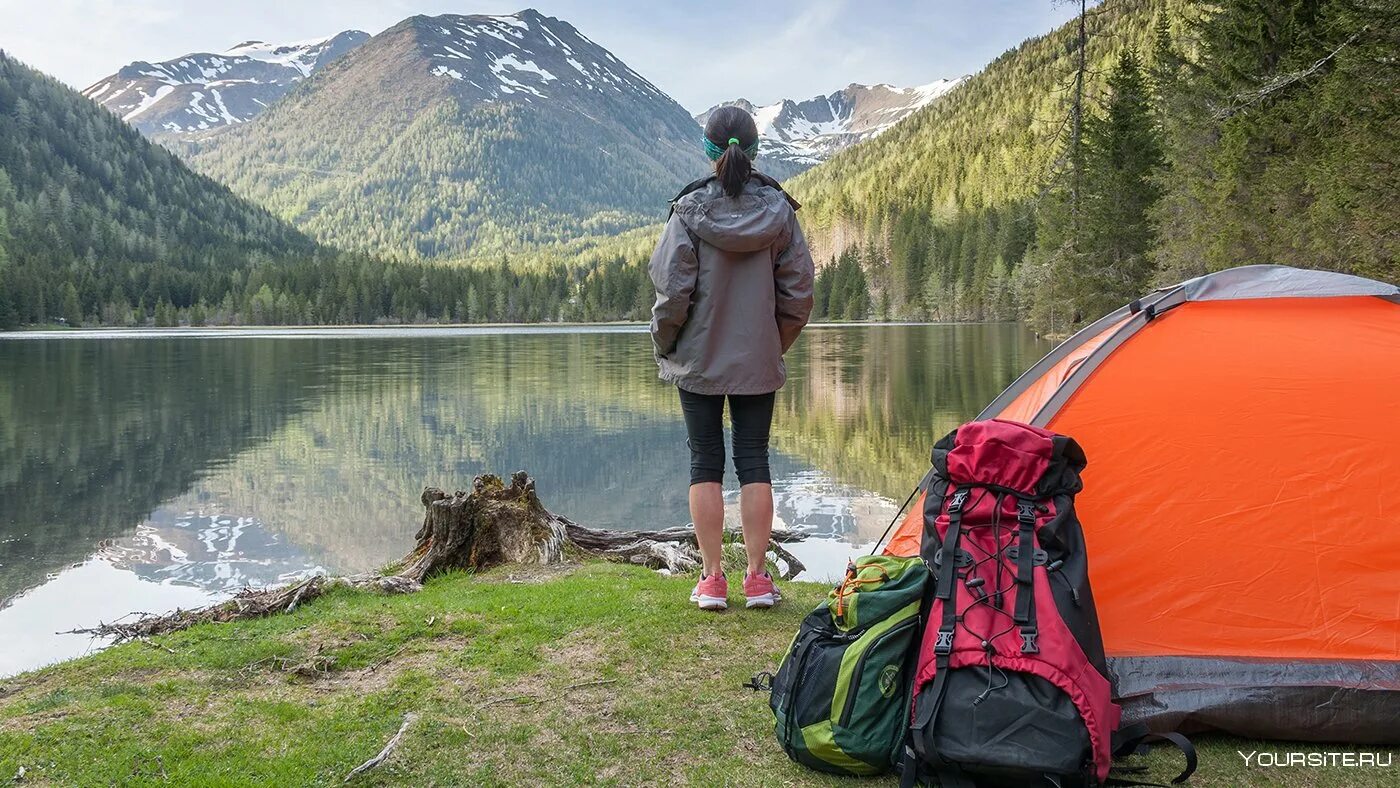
pixel 798 135
pixel 201 93
pixel 493 131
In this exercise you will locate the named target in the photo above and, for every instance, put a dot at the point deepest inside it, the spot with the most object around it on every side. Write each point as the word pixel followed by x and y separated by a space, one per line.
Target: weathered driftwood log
pixel 494 524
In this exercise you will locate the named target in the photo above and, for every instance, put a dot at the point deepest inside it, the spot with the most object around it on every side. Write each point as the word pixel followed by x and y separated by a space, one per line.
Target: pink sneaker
pixel 711 593
pixel 759 591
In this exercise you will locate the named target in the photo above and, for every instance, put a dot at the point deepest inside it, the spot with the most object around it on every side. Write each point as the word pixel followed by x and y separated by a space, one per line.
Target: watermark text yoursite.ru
pixel 1359 760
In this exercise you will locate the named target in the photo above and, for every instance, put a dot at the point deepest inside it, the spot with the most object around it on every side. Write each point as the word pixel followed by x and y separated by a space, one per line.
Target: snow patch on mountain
pixel 797 135
pixel 304 56
pixel 524 56
pixel 148 101
pixel 206 91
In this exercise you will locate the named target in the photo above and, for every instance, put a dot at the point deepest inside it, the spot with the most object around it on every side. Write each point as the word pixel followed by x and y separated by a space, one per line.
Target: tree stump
pixel 494 524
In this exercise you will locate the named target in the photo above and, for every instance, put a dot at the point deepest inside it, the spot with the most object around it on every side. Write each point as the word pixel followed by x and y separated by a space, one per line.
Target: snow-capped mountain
pixel 523 57
pixel 459 135
pixel 203 92
pixel 797 135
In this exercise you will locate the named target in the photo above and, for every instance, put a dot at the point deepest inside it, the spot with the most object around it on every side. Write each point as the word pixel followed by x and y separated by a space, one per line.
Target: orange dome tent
pixel 1242 499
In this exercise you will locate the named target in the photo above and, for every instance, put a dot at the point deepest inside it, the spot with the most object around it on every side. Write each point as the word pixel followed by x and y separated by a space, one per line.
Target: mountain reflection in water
pixel 142 474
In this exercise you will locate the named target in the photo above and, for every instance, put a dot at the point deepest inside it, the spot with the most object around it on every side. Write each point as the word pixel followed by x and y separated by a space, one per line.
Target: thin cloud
pixel 701 55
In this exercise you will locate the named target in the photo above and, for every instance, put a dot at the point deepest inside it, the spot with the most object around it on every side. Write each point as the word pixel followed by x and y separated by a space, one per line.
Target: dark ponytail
pixel 733 169
pixel 731 142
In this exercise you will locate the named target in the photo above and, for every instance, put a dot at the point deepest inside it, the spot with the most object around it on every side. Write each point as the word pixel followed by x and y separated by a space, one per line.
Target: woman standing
pixel 733 284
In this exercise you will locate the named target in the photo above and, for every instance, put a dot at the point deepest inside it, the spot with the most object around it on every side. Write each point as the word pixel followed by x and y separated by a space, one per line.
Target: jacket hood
pixel 756 219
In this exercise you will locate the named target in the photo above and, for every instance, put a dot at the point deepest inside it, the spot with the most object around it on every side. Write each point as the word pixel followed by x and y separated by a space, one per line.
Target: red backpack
pixel 1011 686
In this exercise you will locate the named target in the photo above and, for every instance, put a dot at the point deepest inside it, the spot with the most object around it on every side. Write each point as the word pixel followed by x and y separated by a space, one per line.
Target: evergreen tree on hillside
pixel 821 293
pixel 842 289
pixel 1123 154
pixel 946 195
pixel 1287 150
pixel 72 310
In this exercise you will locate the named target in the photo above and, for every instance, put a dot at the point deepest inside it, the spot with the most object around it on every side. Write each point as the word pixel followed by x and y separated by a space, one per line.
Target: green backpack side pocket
pixel 841 696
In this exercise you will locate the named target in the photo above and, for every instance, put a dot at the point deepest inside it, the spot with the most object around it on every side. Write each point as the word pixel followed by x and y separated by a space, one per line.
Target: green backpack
pixel 841 696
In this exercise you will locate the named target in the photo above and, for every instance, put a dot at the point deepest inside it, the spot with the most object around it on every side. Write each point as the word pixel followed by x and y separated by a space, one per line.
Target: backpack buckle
pixel 944 645
pixel 761 682
pixel 1029 638
pixel 1025 511
pixel 961 558
pixel 956 504
pixel 1038 556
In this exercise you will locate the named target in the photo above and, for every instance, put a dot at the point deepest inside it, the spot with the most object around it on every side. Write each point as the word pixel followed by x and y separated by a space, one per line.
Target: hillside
pixel 458 135
pixel 202 93
pixel 961 169
pixel 90 212
pixel 798 135
pixel 1215 134
pixel 101 226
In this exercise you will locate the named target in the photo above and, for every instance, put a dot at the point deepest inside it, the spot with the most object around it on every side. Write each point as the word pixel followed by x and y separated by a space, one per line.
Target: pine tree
pixel 72 310
pixel 165 317
pixel 9 315
pixel 1123 153
pixel 821 292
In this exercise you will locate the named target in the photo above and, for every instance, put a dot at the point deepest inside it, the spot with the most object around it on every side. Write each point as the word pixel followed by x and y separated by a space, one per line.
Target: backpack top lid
pixel 875 588
pixel 1012 456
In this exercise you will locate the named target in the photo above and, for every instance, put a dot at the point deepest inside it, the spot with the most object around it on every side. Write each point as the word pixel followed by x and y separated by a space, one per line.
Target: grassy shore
pixel 596 674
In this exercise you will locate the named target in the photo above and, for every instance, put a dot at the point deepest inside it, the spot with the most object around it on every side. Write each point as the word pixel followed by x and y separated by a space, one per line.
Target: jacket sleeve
pixel 673 269
pixel 792 273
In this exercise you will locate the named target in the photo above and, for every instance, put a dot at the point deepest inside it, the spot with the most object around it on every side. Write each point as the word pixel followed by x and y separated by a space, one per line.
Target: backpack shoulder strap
pixel 773 183
pixel 694 186
pixel 1134 738
pixel 945 591
pixel 700 183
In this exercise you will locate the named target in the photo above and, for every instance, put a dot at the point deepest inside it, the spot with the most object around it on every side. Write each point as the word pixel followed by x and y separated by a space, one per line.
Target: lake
pixel 141 471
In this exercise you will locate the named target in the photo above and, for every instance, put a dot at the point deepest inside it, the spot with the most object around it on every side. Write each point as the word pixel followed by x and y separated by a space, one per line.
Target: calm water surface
pixel 145 472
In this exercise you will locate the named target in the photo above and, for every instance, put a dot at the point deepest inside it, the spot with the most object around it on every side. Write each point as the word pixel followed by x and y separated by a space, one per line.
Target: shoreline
pixel 407 330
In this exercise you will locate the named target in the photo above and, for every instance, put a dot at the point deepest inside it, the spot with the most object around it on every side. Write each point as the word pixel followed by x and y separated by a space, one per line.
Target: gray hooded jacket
pixel 733 281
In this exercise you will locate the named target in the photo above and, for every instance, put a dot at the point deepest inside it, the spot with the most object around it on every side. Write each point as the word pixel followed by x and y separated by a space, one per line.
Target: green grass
pixel 596 674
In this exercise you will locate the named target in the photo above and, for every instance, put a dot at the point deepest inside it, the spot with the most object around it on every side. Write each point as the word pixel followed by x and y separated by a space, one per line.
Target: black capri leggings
pixel 750 415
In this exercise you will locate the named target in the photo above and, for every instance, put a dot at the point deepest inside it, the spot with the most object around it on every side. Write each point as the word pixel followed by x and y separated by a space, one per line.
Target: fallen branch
pixel 794 566
pixel 496 523
pixel 408 719
pixel 248 603
pixel 598 683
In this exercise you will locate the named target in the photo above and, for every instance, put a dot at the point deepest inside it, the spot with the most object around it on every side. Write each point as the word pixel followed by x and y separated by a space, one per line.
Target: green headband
pixel 714 151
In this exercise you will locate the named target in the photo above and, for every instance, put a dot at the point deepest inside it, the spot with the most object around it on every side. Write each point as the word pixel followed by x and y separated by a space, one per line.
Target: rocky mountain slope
pixel 798 135
pixel 203 92
pixel 457 136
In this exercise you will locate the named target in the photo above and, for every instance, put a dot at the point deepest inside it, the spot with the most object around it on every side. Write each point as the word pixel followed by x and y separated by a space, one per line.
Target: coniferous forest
pixel 99 226
pixel 1145 142
pixel 1191 137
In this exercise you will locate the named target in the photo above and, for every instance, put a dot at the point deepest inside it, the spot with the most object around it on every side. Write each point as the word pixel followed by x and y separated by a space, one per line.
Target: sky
pixel 700 53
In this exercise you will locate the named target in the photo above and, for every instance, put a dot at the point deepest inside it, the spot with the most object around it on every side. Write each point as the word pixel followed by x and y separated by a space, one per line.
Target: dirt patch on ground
pixel 528 573
pixel 579 654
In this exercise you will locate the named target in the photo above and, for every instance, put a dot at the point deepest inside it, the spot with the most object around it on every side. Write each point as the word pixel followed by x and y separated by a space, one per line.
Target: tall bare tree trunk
pixel 1077 124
